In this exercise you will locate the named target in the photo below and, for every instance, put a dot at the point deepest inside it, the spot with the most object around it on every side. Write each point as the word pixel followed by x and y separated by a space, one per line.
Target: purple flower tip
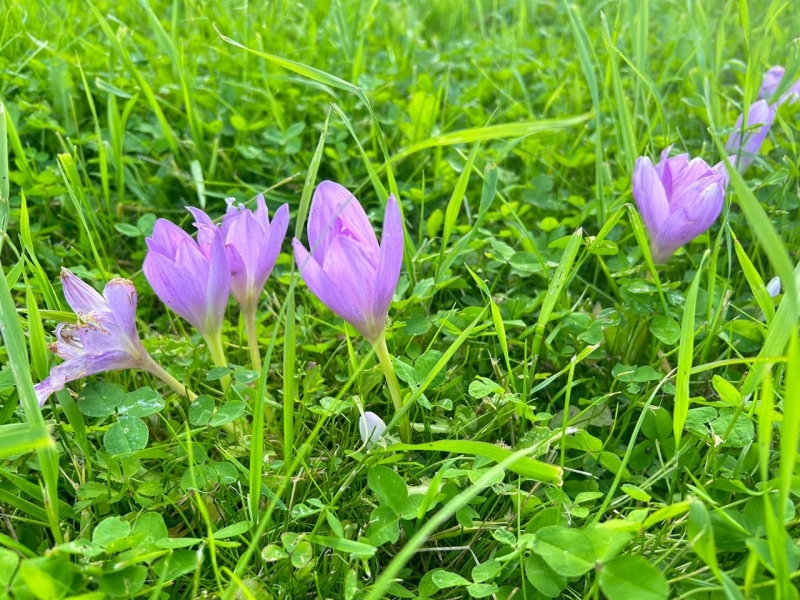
pixel 745 142
pixel 770 84
pixel 678 199
pixel 252 244
pixel 193 278
pixel 103 339
pixel 347 269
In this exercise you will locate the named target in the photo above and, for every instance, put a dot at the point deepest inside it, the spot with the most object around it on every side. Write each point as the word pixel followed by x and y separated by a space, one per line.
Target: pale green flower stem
pixel 218 356
pixel 385 360
pixel 159 371
pixel 248 315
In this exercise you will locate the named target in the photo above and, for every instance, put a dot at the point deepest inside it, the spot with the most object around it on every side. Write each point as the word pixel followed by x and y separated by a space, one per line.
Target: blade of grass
pixel 685 357
pixel 125 57
pixel 587 59
pixel 563 273
pixel 760 224
pixel 14 339
pixel 454 204
pixel 624 120
pixel 4 182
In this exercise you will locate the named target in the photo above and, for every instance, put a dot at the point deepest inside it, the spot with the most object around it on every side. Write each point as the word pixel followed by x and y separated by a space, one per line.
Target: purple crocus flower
pixel 771 81
pixel 745 143
pixel 103 339
pixel 347 270
pixel 193 278
pixel 253 245
pixel 678 199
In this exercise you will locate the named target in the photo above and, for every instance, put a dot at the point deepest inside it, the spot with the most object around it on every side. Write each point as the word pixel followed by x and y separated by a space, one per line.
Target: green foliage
pixel 584 422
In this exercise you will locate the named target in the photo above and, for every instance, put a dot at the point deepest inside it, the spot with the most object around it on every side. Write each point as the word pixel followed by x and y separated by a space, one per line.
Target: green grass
pixel 584 423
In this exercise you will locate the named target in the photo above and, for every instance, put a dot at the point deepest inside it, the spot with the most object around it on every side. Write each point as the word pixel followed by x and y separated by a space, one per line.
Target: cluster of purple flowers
pixel 347 269
pixel 680 198
pixel 345 266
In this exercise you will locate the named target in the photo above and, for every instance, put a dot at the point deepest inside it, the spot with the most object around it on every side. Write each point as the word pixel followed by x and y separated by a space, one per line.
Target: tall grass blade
pixel 685 357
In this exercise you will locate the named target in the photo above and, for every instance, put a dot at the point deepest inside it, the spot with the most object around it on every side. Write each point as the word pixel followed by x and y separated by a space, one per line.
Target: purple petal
pixel 177 287
pixel 648 191
pixel 326 290
pixel 331 200
pixel 746 143
pixel 166 238
pixel 249 238
pixel 770 82
pixel 692 171
pixel 83 366
pixel 354 269
pixel 271 250
pixel 218 286
pixel 261 212
pixel 692 218
pixel 68 343
pixel 81 297
pixel 239 287
pixel 391 258
pixel 121 297
pixel 230 215
pixel 205 230
pixel 189 256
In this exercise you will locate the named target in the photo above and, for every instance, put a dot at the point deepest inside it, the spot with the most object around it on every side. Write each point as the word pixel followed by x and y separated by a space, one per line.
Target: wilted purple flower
pixel 771 81
pixel 745 143
pixel 371 427
pixel 347 269
pixel 774 286
pixel 191 277
pixel 678 199
pixel 103 339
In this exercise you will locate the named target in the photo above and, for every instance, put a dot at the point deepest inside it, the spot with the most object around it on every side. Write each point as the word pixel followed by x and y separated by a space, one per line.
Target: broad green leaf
pixel 128 434
pixel 227 413
pixel 141 403
pixel 543 577
pixel 384 526
pixel 201 410
pixel 110 532
pixel 389 487
pixel 445 579
pixel 100 399
pixel 631 576
pixel 569 552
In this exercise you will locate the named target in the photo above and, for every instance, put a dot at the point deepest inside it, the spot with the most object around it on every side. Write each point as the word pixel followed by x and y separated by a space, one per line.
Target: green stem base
pixel 385 360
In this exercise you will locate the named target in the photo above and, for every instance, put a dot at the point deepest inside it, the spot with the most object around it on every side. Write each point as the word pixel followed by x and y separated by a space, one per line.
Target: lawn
pixel 524 359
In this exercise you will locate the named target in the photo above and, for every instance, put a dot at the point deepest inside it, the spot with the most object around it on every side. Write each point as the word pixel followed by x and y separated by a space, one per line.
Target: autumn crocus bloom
pixel 678 199
pixel 347 270
pixel 770 83
pixel 746 142
pixel 103 339
pixel 193 278
pixel 252 244
pixel 350 272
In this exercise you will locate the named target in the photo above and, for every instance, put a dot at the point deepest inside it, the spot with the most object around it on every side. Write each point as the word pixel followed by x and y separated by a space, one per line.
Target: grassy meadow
pixel 584 423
